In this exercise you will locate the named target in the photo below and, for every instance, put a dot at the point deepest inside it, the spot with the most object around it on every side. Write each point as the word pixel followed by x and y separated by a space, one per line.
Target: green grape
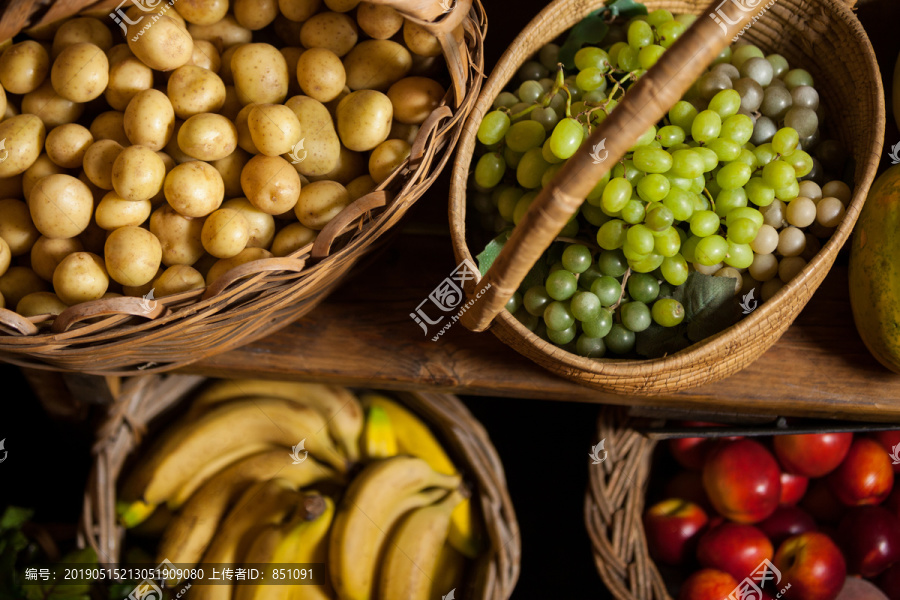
pixel 643 287
pixel 653 187
pixel 562 337
pixel 680 182
pixel 592 58
pixel 594 97
pixel 737 128
pixel 724 56
pixel 687 163
pixel 525 135
pixel 726 103
pixel 647 138
pixel 596 194
pixel 607 289
pixel 627 60
pixel 659 218
pixel 680 202
pixel 571 228
pixel 561 284
pixel 566 138
pixel 527 319
pixel 590 79
pixel 711 250
pixel 577 258
pixel 599 327
pixel 801 161
pixel 549 56
pixel 630 172
pixel 619 340
pixel 593 214
pixel 590 275
pixel 493 127
pixel 639 239
pixel 733 175
pixel 522 206
pixel 667 243
pixel 612 263
pixel 640 34
pixel 636 316
pixel 675 270
pixel 549 174
pixel 742 231
pixel 652 160
pixel 558 316
pixel 724 149
pixel 779 64
pixel 614 52
pixel 506 100
pixel 585 306
pixel 669 32
pixel 788 192
pixel 739 256
pixel 647 263
pixel 590 347
pixel 530 91
pixel 710 158
pixel 744 213
pixel 557 266
pixel 759 193
pixel 698 185
pixel 765 154
pixel 778 174
pixel 748 158
pixel 531 169
pixel 507 202
pixel 707 126
pixel 797 77
pixel 632 255
pixel 728 200
pixel 536 300
pixel 512 157
pixel 704 223
pixel 546 116
pixel 785 141
pixel 667 312
pixel 649 55
pixel 682 115
pixel 616 194
pixel 700 203
pixel 659 16
pixel 532 69
pixel 671 135
pixel 742 54
pixel 514 302
pixel 489 170
pixel 611 234
pixel 633 212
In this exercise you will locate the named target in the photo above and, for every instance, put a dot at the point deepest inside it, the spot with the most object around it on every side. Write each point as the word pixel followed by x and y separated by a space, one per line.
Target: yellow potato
pixel 174 150
pixel 320 202
pixel 321 75
pixel 202 12
pixel 160 43
pixel 5 105
pixel 132 256
pixel 261 225
pixel 330 30
pixel 260 74
pixel 232 105
pixel 5 256
pixel 376 65
pixel 194 189
pixel 118 53
pixel 255 14
pixel 350 165
pixel 298 10
pixel 110 125
pixel 47 253
pixel 60 206
pixel 321 145
pixel 225 72
pixel 150 119
pixel 41 168
pixel 274 129
pixel 179 236
pixel 24 67
pixel 225 233
pixel 230 169
pixel 195 90
pixel 24 135
pixel 99 160
pixel 341 5
pixel 386 157
pixel 206 55
pixel 67 144
pixel 291 56
pixel 18 282
pixel 80 277
pixel 136 13
pixel 113 212
pixel 50 107
pixel 333 104
pixel 138 173
pixel 414 98
pixel 359 187
pixel 242 124
pixel 80 73
pixel 16 227
pixel 378 20
pixel 271 184
pixel 82 29
pixel 177 279
pixel 419 40
pixel 127 78
pixel 223 265
pixel 225 33
pixel 40 303
pixel 402 131
pixel 292 238
pixel 364 119
pixel 208 137
pixel 139 291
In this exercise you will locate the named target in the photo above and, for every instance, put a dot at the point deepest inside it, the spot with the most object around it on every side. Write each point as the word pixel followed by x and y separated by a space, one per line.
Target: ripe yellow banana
pixel 379 440
pixel 311 546
pixel 190 532
pixel 338 405
pixel 381 493
pixel 448 572
pixel 415 438
pixel 411 556
pixel 236 428
pixel 156 524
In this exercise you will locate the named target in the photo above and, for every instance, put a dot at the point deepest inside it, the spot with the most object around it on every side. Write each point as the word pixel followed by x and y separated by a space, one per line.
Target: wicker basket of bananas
pixel 309 491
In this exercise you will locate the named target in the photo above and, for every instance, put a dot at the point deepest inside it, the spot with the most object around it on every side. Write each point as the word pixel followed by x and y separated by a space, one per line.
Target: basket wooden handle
pixel 646 102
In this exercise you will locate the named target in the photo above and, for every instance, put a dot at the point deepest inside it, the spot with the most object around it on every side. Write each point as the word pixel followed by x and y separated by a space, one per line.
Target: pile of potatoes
pixel 158 148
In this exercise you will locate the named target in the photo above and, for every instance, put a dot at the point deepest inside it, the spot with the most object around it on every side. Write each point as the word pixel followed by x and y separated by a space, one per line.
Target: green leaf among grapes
pixel 593 28
pixel 487 256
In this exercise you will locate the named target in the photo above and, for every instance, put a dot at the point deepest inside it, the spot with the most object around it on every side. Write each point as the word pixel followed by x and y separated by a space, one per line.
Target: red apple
pixel 785 522
pixel 691 452
pixel 742 481
pixel 672 528
pixel 821 503
pixel 811 454
pixel 866 475
pixel 889 582
pixel 735 548
pixel 890 440
pixel 792 488
pixel 688 485
pixel 813 565
pixel 707 584
pixel 870 538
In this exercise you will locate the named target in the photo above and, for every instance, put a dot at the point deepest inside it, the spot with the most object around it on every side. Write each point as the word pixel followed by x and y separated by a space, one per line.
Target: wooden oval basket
pixel 491 577
pixel 822 36
pixel 127 335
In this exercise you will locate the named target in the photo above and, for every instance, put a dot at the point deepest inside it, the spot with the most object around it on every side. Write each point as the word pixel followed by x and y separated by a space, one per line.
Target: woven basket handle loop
pixel 428 127
pixel 283 263
pixel 344 219
pixel 646 102
pixel 16 323
pixel 125 305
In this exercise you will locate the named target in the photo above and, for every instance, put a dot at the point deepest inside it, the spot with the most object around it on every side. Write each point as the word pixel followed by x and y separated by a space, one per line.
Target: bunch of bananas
pixel 370 492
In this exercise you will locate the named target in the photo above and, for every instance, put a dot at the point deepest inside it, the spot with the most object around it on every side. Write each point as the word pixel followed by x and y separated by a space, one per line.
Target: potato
pixel 378 20
pixel 298 10
pixel 333 104
pixel 47 253
pixel 127 78
pixel 292 238
pixel 18 282
pixel 174 150
pixel 169 164
pixel 132 256
pixel 161 44
pixel 230 169
pixel 16 227
pixel 208 137
pixel 118 53
pixel 179 236
pixel 61 206
pixel 225 33
pixel 330 30
pixel 225 72
pixel 271 184
pixel 341 5
pixel 255 14
pixel 24 67
pixel 419 40
pixel 206 55
pixel 402 131
pixel 291 56
pixel 40 303
pixel 139 291
pixel 376 65
pixel 260 74
pixel 359 187
pixel 110 125
pixel 150 119
pixel 320 202
pixel 177 279
pixel 50 107
pixel 24 135
pixel 224 265
pixel 113 212
pixel 195 90
pixel 321 75
pixel 41 168
pixel 80 277
pixel 321 145
pixel 242 124
pixel 80 73
pixel 99 160
pixel 82 29
pixel 136 13
pixel 202 12
pixel 261 225
pixel 67 144
pixel 5 256
pixel 364 119
pixel 194 189
pixel 414 98
pixel 225 233
pixel 350 165
pixel 232 105
pixel 386 157
pixel 138 173
pixel 274 129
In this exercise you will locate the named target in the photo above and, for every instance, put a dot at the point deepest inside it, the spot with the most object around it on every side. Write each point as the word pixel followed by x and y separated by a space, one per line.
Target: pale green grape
pixel 522 206
pixel 512 157
pixel 659 16
pixel 707 126
pixel 493 127
pixel 704 223
pixel 549 174
pixel 739 256
pixel 765 154
pixel 785 141
pixel 788 192
pixel 671 135
pixel 669 32
pixel 725 149
pixel 659 218
pixel 639 238
pixel 733 175
pixel 738 129
pixel 530 91
pixel 611 234
pixel 647 263
pixel 616 194
pixel 742 231
pixel 633 212
pixel 490 170
pixel 710 158
pixel 728 200
pixel 653 187
pixel 680 202
pixel 801 161
pixel 759 193
pixel 628 59
pixel 566 138
pixel 592 57
pixel 652 160
pixel 668 312
pixel 744 213
pixel 726 103
pixel 675 270
pixel 711 250
pixel 525 135
pixel 531 169
pixel 506 203
pixel 687 163
pixel 682 115
pixel 649 55
pixel 590 79
pixel 667 243
pixel 778 174
pixel 640 34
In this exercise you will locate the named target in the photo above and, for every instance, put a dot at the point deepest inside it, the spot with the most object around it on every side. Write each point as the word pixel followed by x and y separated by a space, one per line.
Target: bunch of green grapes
pixel 726 184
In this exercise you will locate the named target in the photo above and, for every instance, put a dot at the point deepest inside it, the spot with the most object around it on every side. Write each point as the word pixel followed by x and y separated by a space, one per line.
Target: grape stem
pixel 712 202
pixel 621 293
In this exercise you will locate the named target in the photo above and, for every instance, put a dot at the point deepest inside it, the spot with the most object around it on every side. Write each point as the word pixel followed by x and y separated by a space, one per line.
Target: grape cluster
pixel 727 184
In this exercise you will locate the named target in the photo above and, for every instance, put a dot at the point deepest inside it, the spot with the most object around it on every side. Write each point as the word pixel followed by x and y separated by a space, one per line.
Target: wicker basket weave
pixel 122 336
pixel 492 577
pixel 822 36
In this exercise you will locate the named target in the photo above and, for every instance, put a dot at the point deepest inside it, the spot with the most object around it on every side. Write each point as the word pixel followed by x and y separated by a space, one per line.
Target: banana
pixel 415 438
pixel 190 532
pixel 448 572
pixel 235 428
pixel 378 436
pixel 381 493
pixel 412 551
pixel 156 524
pixel 338 405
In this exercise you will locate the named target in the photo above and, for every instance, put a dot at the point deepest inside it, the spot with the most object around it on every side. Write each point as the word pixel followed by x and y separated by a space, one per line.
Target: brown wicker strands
pixel 492 577
pixel 125 336
pixel 822 36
